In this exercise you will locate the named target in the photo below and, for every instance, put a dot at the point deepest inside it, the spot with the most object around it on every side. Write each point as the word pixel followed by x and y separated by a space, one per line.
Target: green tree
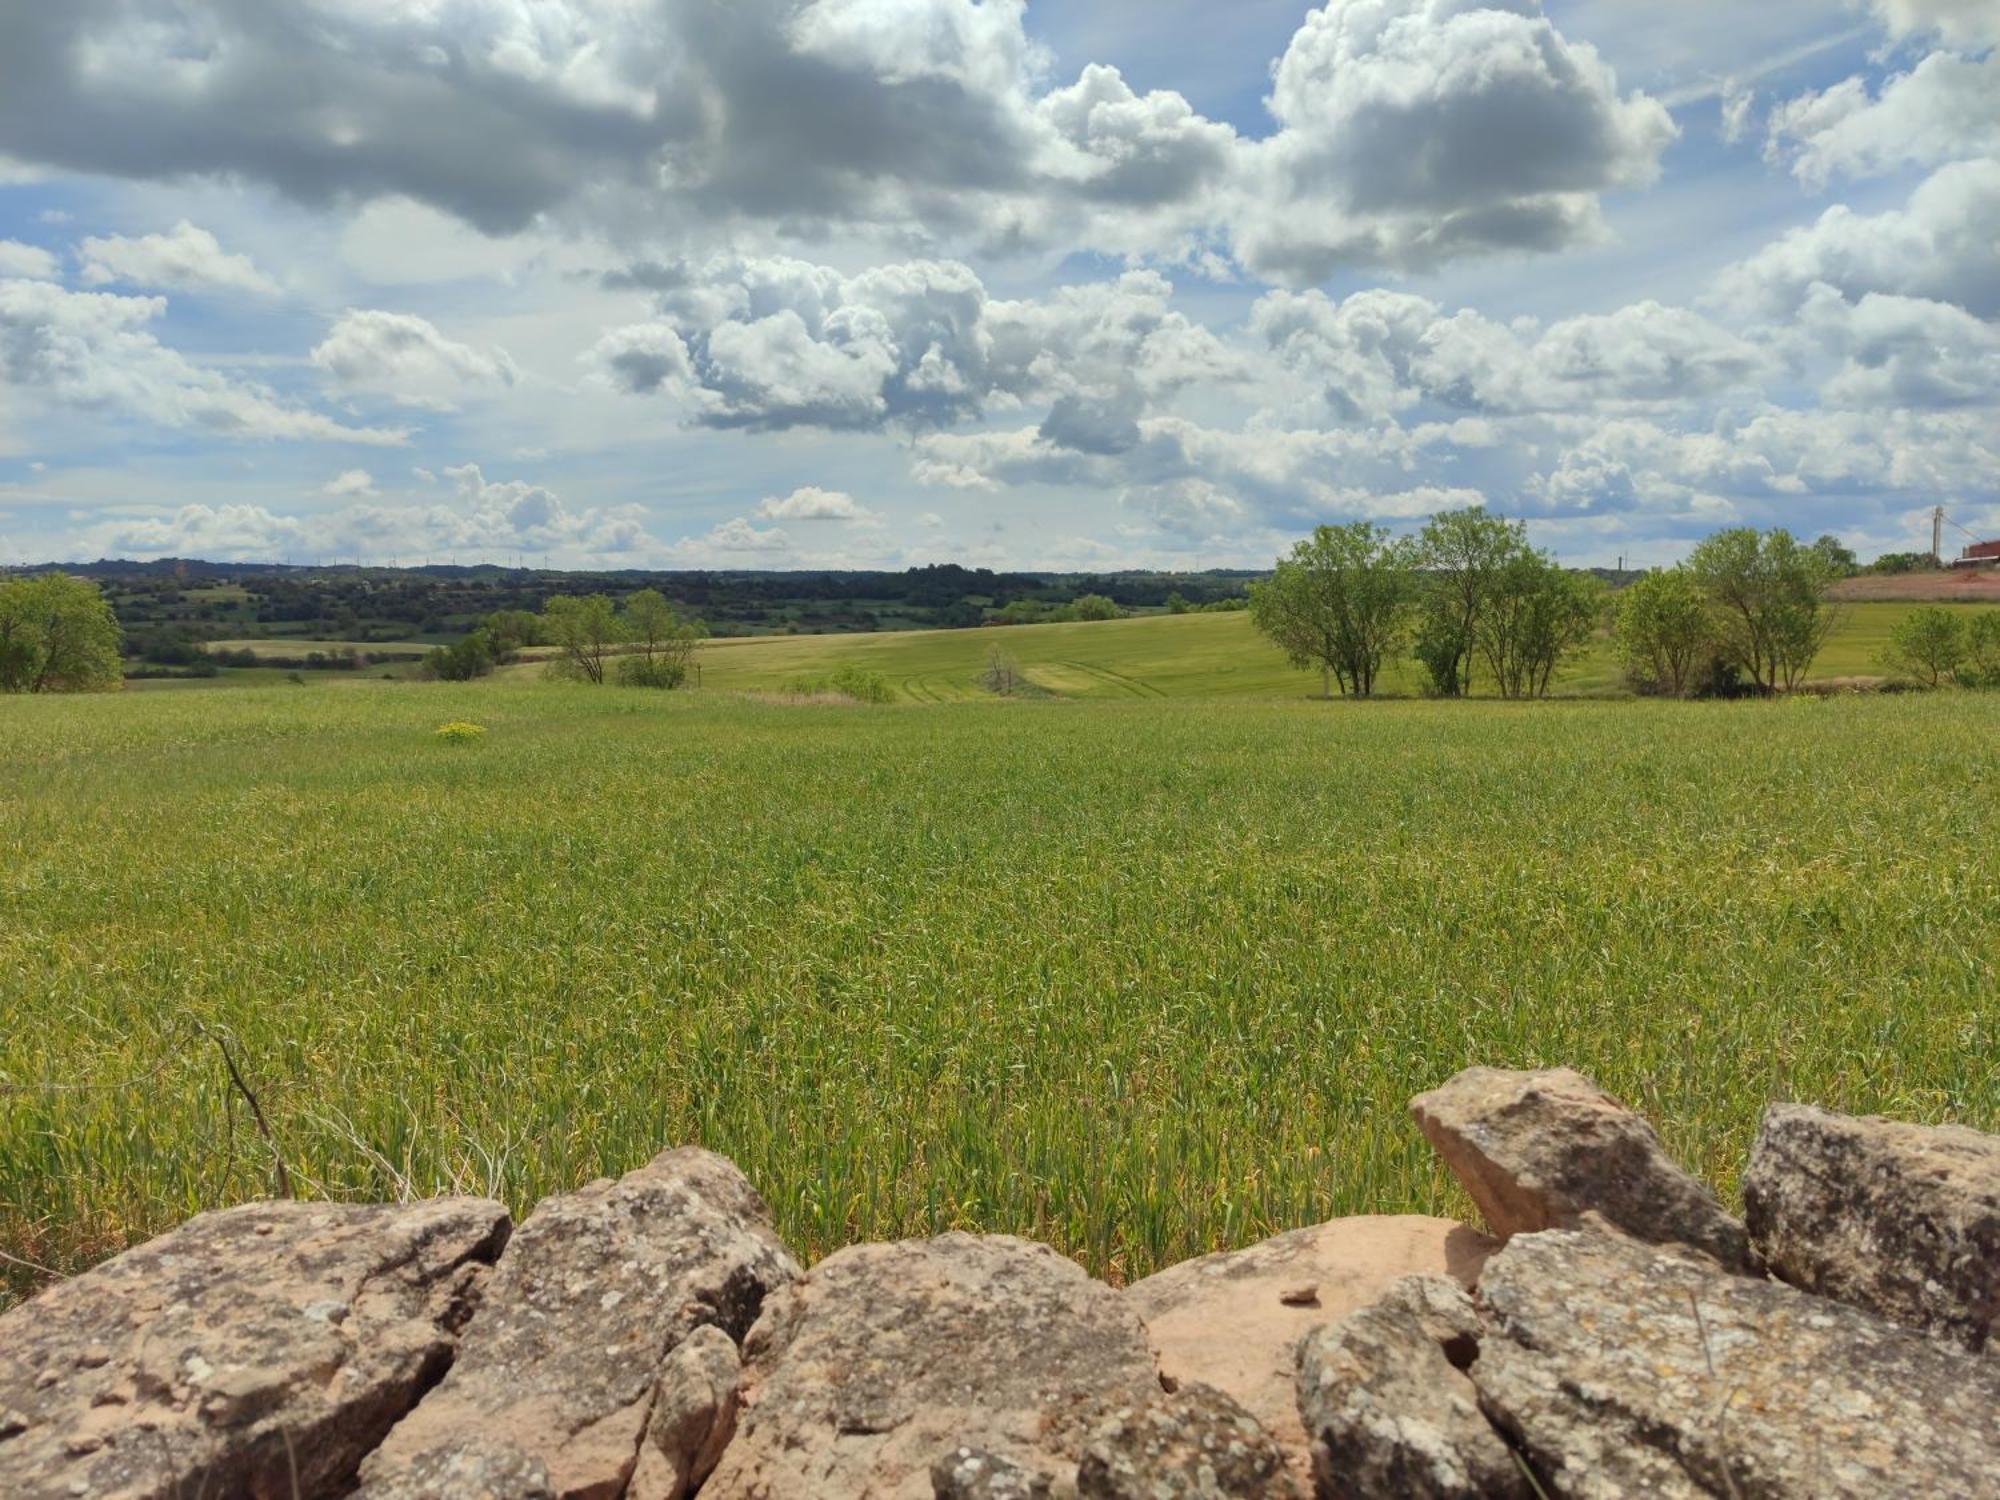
pixel 463 660
pixel 1767 594
pixel 1981 667
pixel 1461 553
pixel 583 628
pixel 57 635
pixel 1929 644
pixel 1339 603
pixel 666 642
pixel 1178 603
pixel 1093 607
pixel 1536 615
pixel 1663 631
pixel 511 629
pixel 1839 556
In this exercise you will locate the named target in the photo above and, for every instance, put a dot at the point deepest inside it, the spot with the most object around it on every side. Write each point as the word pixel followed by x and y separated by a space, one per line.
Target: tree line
pixel 643 643
pixel 1747 610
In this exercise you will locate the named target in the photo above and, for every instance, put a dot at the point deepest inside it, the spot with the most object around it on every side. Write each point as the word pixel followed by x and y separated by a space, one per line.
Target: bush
pixel 463 660
pixel 1981 667
pixel 651 672
pixel 1928 645
pixel 459 732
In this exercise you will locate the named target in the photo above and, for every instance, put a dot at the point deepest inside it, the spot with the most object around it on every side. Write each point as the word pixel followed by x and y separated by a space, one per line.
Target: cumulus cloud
pixel 811 503
pixel 30 262
pixel 778 343
pixel 1947 108
pixel 928 117
pixel 1378 353
pixel 350 483
pixel 186 258
pixel 504 514
pixel 1415 131
pixel 1940 246
pixel 93 351
pixel 406 359
pixel 1961 23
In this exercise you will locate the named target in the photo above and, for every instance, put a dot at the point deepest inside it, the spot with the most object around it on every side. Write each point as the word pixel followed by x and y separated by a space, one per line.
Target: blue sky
pixel 879 282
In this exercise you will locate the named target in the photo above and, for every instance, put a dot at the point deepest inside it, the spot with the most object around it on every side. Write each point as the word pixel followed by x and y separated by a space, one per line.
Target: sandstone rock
pixel 1193 1444
pixel 1389 1412
pixel 889 1357
pixel 1538 1150
pixel 1229 1320
pixel 1630 1369
pixel 965 1474
pixel 1901 1219
pixel 258 1351
pixel 605 1352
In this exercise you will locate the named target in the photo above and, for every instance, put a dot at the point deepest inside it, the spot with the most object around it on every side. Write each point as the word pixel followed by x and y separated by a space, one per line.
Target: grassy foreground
pixel 1139 978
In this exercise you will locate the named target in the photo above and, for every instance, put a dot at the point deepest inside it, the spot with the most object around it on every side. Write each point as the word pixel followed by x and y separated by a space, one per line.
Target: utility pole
pixel 1937 537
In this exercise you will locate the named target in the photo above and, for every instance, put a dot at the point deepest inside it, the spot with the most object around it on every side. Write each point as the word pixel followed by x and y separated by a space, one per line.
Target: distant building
pixel 1978 555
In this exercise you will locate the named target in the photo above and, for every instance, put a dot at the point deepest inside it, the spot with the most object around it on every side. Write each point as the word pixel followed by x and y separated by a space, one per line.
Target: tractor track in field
pixel 1132 685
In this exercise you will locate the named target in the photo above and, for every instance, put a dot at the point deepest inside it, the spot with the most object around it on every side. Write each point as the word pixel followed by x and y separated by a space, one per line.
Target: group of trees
pixel 1040 612
pixel 644 643
pixel 1466 593
pixel 1935 645
pixel 1745 608
pixel 57 635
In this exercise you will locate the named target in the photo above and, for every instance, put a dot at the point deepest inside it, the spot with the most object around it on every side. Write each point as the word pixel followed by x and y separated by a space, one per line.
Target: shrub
pixel 459 732
pixel 1981 667
pixel 649 671
pixel 848 682
pixel 1927 644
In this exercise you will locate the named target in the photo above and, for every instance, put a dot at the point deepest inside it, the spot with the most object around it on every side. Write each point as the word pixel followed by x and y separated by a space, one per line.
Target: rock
pixel 1193 1444
pixel 1901 1219
pixel 605 1352
pixel 1226 1320
pixel 1630 1369
pixel 1389 1412
pixel 258 1351
pixel 1538 1150
pixel 889 1357
pixel 965 1474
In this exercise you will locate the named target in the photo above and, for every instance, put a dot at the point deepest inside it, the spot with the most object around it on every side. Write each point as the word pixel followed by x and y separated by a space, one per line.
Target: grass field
pixel 1140 978
pixel 1153 656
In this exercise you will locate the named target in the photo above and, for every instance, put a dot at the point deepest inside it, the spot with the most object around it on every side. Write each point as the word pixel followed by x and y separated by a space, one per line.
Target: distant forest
pixel 194 601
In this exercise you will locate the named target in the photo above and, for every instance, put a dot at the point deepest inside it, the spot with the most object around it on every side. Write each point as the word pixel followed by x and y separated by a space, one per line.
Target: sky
pixel 1049 285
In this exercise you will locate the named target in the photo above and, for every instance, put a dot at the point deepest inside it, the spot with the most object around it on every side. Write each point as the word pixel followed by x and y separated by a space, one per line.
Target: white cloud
pixel 406 359
pixel 1941 246
pixel 515 514
pixel 1963 23
pixel 810 503
pixel 350 483
pixel 1947 108
pixel 186 258
pixel 28 261
pixel 1416 131
pixel 92 351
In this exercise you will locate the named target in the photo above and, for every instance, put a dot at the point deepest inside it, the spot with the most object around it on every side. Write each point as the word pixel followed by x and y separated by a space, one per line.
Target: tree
pixel 1839 556
pixel 1093 607
pixel 463 660
pixel 1536 615
pixel 1663 631
pixel 1981 667
pixel 1340 602
pixel 1767 594
pixel 665 641
pixel 583 629
pixel 511 629
pixel 1930 644
pixel 1460 552
pixel 1177 603
pixel 57 635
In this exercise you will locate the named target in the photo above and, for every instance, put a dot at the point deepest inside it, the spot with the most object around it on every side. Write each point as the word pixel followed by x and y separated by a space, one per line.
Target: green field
pixel 1152 656
pixel 1140 978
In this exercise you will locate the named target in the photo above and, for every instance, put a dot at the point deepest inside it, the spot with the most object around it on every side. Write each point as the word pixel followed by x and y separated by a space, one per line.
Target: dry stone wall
pixel 1614 1332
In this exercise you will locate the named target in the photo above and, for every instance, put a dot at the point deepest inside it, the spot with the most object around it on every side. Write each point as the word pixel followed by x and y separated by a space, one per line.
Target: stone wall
pixel 1616 1333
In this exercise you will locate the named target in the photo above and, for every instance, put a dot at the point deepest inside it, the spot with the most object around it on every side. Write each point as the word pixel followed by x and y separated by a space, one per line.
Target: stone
pixel 1191 1444
pixel 1538 1150
pixel 1390 1412
pixel 967 1474
pixel 889 1357
pixel 605 1354
pixel 211 1361
pixel 1622 1368
pixel 1226 1320
pixel 1901 1219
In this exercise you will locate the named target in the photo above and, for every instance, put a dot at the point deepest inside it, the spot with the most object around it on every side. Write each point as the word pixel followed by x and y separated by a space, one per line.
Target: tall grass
pixel 1140 978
